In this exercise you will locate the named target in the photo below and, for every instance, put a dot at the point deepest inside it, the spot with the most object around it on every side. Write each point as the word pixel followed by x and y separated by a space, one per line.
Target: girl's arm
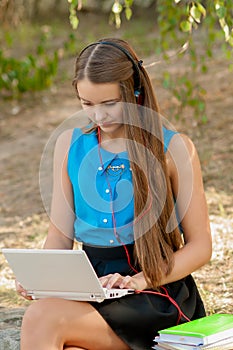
pixel 61 232
pixel 187 185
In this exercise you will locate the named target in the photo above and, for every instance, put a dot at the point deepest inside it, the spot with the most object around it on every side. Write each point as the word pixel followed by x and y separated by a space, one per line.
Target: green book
pixel 203 331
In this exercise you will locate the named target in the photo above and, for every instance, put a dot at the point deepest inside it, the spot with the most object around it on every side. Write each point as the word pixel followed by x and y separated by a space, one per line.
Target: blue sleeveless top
pixel 97 188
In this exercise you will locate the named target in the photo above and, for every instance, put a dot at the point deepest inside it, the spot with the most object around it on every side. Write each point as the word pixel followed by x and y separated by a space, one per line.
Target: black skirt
pixel 137 318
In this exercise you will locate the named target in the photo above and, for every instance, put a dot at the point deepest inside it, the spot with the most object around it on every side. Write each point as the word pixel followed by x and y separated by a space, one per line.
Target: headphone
pixel 136 66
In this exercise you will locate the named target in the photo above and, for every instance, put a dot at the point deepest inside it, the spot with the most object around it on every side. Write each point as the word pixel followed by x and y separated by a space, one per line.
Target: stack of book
pixel 214 332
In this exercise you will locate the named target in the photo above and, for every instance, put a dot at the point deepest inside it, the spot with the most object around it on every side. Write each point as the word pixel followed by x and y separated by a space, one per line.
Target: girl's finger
pixel 114 281
pixel 126 282
pixel 104 280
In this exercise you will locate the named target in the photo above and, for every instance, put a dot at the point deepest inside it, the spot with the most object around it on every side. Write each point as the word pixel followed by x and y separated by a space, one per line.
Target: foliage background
pixel 175 22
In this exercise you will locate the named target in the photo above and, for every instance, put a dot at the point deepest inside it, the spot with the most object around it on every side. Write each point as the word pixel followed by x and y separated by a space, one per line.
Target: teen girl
pixel 131 191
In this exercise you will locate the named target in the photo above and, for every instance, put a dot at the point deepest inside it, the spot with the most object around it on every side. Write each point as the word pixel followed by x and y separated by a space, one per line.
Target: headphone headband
pixel 136 75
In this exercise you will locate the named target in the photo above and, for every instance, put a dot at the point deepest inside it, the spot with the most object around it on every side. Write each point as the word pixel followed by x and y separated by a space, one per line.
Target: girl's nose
pixel 99 114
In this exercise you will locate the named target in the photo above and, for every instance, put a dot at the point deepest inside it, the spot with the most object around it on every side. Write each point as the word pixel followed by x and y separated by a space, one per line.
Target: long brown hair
pixel 153 198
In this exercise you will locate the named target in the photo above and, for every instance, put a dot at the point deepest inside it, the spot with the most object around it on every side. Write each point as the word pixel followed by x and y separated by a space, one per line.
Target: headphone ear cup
pixel 137 93
pixel 139 96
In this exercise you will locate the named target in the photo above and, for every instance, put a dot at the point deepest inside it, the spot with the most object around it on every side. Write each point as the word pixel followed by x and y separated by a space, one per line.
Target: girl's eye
pixel 106 104
pixel 111 104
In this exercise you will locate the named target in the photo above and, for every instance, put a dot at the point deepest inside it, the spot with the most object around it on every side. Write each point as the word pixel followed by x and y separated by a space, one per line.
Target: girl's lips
pixel 105 124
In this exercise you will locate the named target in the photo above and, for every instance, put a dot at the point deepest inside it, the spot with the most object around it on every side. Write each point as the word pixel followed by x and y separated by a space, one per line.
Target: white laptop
pixel 66 274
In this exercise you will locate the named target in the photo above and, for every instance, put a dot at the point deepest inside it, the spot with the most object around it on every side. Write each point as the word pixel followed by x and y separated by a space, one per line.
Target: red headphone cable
pixel 166 295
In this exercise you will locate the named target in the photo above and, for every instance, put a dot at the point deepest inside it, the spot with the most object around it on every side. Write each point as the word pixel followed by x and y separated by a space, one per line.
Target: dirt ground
pixel 26 126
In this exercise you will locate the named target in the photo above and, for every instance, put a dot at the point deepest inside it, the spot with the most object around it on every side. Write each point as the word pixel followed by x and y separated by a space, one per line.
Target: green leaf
pixel 220 11
pixel 74 21
pixel 195 13
pixel 202 9
pixel 225 28
pixel 117 8
pixel 117 20
pixel 186 26
pixel 9 39
pixel 201 106
pixel 204 119
pixel 230 40
pixel 204 68
pixel 129 3
pixel 128 13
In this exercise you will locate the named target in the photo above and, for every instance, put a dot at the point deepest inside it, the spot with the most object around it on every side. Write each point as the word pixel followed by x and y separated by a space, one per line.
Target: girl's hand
pixel 136 282
pixel 21 291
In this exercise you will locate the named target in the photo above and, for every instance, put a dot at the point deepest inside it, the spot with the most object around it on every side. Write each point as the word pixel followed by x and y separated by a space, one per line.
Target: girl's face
pixel 103 102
